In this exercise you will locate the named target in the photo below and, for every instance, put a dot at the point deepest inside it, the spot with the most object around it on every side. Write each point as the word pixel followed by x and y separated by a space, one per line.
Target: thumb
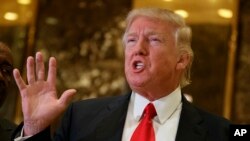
pixel 67 96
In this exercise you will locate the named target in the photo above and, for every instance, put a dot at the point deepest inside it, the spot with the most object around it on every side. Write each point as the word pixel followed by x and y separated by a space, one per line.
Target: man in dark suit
pixel 6 67
pixel 158 58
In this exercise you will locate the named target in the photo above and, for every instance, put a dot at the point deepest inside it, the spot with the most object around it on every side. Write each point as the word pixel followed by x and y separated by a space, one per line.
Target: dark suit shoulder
pixel 96 103
pixel 207 117
pixel 89 119
pixel 218 126
pixel 213 118
pixel 201 125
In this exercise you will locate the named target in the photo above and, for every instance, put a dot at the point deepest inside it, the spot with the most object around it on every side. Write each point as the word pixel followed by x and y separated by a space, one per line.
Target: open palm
pixel 40 103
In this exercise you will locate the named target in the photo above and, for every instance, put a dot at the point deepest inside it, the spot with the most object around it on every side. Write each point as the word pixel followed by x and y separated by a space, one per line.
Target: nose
pixel 141 47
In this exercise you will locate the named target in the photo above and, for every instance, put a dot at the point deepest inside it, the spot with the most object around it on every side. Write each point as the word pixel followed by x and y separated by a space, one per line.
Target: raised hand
pixel 40 103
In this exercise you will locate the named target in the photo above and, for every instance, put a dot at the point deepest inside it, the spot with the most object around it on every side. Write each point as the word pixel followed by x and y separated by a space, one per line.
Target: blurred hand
pixel 40 103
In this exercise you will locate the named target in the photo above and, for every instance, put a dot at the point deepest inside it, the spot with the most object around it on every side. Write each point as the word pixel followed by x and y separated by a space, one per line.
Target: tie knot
pixel 149 111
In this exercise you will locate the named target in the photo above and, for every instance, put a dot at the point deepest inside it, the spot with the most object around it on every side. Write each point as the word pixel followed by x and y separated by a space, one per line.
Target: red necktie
pixel 145 130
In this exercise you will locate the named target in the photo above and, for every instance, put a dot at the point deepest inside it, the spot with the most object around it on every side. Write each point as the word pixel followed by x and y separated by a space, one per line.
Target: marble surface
pixel 85 37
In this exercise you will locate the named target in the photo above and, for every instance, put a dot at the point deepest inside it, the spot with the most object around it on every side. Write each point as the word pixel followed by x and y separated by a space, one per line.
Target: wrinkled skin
pixel 153 64
pixel 40 104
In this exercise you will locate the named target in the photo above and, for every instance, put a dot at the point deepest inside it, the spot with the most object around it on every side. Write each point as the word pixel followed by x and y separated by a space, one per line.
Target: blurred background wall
pixel 85 37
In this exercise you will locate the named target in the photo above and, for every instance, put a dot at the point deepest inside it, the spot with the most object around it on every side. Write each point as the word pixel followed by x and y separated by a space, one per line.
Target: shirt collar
pixel 164 106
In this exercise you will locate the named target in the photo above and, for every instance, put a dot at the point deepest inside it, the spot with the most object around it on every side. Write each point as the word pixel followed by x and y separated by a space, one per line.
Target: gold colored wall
pixel 241 98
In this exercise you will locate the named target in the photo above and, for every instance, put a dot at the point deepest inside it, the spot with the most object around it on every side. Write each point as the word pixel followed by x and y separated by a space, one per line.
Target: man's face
pixel 151 55
pixel 5 71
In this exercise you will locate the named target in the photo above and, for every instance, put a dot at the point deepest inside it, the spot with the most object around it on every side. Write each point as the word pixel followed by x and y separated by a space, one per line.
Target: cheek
pixel 164 60
pixel 127 55
pixel 126 61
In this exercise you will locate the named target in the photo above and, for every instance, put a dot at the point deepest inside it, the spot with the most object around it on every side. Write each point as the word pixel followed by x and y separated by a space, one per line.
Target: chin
pixel 136 85
pixel 136 80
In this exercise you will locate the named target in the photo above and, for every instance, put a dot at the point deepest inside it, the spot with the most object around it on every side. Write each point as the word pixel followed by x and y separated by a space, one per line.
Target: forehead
pixel 152 25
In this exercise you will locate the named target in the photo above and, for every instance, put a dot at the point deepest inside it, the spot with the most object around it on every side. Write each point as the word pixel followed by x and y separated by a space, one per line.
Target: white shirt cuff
pixel 21 138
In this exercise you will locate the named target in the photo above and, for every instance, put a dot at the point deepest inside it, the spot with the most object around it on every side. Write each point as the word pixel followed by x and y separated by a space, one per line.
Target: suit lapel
pixel 111 126
pixel 190 124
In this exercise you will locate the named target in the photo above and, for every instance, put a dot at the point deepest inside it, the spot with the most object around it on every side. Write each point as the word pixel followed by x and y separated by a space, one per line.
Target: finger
pixel 66 97
pixel 40 71
pixel 19 81
pixel 52 71
pixel 30 70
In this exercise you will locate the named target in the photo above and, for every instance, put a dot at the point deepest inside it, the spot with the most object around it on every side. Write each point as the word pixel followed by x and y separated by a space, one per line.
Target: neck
pixel 156 93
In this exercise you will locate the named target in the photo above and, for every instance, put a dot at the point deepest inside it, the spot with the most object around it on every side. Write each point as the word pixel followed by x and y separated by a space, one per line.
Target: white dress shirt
pixel 165 123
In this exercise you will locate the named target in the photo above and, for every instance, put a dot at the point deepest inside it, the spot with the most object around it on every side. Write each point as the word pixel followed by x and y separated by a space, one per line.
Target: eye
pixel 130 41
pixel 155 38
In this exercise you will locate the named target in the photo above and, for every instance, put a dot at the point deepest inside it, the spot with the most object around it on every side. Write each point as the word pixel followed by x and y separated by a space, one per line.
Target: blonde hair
pixel 183 33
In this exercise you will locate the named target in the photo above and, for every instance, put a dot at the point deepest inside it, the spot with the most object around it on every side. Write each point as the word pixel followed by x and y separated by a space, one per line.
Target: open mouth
pixel 138 65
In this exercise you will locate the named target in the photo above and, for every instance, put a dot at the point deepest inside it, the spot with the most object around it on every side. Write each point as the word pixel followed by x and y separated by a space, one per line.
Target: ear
pixel 183 61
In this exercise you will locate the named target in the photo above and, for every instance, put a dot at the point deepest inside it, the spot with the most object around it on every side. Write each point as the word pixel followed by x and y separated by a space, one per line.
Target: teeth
pixel 139 65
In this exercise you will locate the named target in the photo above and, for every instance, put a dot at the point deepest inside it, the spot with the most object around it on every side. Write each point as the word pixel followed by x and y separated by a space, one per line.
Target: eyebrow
pixel 154 33
pixel 147 33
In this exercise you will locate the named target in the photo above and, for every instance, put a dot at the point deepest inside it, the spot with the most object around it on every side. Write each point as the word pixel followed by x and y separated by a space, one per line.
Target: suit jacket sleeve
pixel 41 136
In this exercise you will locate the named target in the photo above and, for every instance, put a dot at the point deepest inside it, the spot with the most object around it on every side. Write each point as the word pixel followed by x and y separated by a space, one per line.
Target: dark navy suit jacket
pixel 6 129
pixel 103 119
